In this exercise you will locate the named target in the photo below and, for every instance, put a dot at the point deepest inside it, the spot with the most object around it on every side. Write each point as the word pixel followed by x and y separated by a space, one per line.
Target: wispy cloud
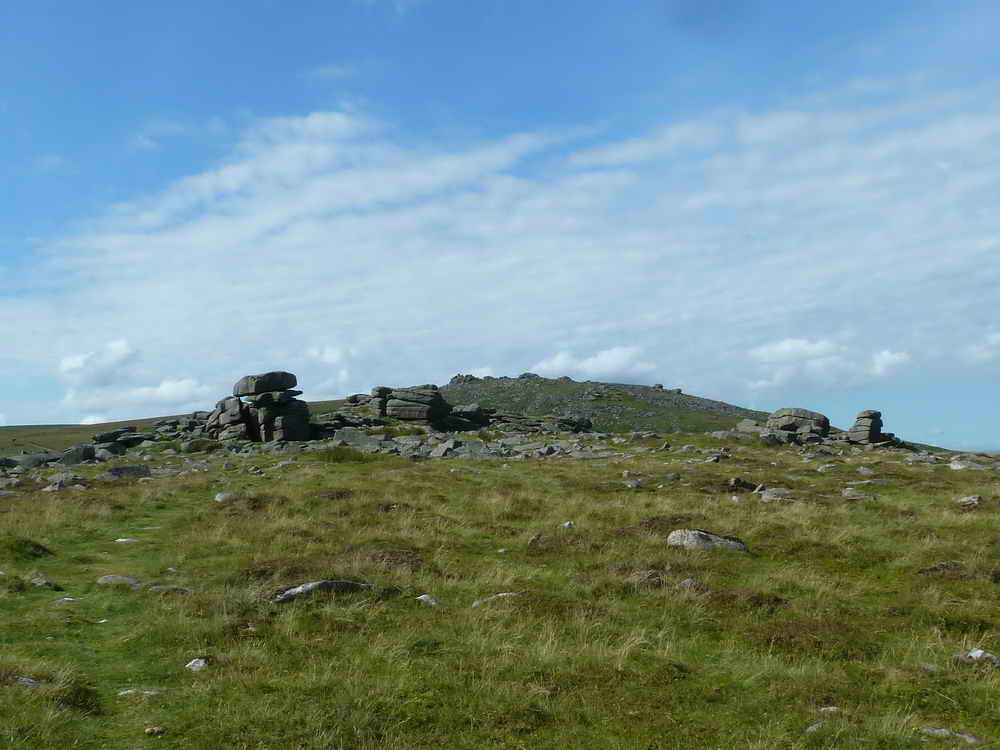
pixel 725 248
pixel 612 362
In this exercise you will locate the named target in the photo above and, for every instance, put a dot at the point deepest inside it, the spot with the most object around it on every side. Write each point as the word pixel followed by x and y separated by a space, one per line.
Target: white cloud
pixel 985 350
pixel 796 350
pixel 329 355
pixel 886 362
pixel 3 420
pixel 715 244
pixel 616 361
pixel 824 361
pixel 94 419
pixel 481 372
pixel 100 367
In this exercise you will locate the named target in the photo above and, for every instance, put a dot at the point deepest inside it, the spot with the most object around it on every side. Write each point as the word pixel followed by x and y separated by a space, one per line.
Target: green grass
pixel 601 648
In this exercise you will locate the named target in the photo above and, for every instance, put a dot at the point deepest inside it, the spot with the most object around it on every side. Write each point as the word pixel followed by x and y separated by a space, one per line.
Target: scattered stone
pixel 198 664
pixel 825 468
pixel 428 600
pixel 28 682
pixel 774 494
pixel 850 493
pixel 945 569
pixel 700 539
pixel 814 727
pixel 126 540
pixel 225 497
pixel 495 597
pixel 41 581
pixel 125 472
pixel 969 503
pixel 979 656
pixel 327 586
pixel 568 524
pixel 960 464
pixel 865 470
pixel 632 484
pixel 968 739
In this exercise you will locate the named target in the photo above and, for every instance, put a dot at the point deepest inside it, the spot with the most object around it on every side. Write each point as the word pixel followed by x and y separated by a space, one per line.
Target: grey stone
pixel 197 665
pixel 250 385
pixel 34 460
pixel 701 539
pixel 308 589
pixel 772 494
pixel 495 597
pixel 970 503
pixel 968 739
pixel 273 398
pixel 798 420
pixel 126 472
pixel 77 454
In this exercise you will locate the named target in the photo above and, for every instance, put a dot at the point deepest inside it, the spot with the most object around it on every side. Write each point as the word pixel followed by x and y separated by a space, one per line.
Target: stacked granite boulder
pixel 867 429
pixel 270 411
pixel 796 426
pixel 419 403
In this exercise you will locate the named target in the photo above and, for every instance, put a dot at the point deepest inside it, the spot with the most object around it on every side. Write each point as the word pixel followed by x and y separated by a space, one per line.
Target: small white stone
pixel 428 600
pixel 196 665
pixel 567 524
pixel 126 540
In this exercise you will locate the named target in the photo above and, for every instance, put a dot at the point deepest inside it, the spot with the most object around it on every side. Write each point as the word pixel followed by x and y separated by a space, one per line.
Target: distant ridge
pixel 613 407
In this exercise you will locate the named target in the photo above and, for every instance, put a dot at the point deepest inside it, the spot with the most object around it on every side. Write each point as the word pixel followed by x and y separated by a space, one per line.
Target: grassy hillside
pixel 838 629
pixel 613 407
pixel 58 437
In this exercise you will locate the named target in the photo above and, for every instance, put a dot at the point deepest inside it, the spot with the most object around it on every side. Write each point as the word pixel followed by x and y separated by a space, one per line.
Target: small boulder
pixel 700 539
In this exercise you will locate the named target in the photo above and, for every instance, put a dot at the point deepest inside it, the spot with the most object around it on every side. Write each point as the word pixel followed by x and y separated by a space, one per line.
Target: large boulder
pixel 867 428
pixel 250 385
pixel 800 421
pixel 422 403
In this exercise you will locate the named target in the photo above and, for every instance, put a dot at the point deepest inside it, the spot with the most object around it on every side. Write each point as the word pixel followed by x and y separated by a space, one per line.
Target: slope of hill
pixel 503 603
pixel 613 407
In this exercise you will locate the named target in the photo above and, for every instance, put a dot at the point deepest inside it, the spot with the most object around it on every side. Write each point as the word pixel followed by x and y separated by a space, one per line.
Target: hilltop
pixel 612 407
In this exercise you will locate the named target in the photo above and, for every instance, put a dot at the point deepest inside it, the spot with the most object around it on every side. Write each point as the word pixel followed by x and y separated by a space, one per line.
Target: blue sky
pixel 762 202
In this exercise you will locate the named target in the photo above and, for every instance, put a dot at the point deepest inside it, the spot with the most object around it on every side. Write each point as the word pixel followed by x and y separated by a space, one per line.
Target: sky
pixel 769 202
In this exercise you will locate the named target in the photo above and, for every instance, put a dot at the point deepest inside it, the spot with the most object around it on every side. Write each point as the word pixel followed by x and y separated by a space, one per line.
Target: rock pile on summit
pixel 271 411
pixel 867 429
